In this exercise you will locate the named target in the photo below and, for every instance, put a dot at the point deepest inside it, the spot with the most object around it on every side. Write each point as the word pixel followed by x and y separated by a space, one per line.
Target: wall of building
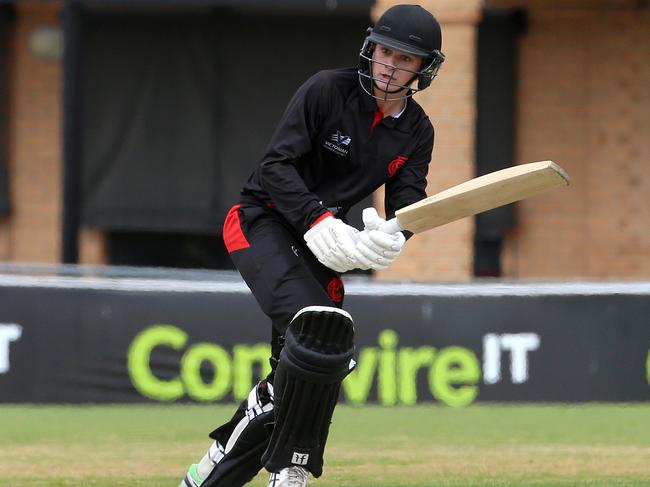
pixel 584 102
pixel 31 233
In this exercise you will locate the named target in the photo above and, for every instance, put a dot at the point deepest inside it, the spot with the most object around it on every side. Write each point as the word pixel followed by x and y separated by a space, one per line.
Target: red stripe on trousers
pixel 233 236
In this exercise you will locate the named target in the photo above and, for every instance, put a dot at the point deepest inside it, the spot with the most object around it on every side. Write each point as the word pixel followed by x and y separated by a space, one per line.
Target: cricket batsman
pixel 345 133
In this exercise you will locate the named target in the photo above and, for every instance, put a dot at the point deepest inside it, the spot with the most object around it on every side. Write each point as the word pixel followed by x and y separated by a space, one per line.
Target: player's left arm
pixel 408 184
pixel 377 249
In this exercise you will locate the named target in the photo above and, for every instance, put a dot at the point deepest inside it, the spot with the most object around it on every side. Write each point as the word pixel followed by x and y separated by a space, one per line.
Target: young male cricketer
pixel 344 134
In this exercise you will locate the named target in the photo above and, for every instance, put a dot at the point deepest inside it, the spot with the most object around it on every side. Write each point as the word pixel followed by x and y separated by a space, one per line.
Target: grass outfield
pixel 482 445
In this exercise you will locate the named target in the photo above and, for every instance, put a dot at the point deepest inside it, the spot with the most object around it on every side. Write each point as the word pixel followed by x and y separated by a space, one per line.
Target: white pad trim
pixel 254 409
pixel 331 309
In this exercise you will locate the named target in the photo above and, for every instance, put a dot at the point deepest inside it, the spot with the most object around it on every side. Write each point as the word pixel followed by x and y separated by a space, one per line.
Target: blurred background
pixel 128 127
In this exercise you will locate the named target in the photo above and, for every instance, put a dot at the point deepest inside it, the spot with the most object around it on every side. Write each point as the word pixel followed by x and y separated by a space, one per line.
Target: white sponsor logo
pixel 336 143
pixel 300 458
pixel 339 139
pixel 8 333
pixel 518 344
pixel 335 148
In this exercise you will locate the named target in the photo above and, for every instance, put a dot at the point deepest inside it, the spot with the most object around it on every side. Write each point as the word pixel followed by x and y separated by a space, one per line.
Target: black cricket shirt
pixel 331 148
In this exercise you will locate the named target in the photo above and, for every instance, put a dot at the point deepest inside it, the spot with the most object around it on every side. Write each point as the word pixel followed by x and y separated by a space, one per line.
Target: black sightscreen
pixel 178 109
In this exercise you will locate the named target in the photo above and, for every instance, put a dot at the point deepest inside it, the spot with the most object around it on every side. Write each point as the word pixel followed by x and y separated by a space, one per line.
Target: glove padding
pixel 376 249
pixel 334 244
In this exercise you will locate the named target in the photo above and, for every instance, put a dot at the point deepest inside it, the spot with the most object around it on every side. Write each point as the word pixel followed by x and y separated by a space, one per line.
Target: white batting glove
pixel 375 248
pixel 334 244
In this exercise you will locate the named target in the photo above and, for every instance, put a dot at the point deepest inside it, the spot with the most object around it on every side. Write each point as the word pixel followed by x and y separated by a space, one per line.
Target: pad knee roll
pixel 315 358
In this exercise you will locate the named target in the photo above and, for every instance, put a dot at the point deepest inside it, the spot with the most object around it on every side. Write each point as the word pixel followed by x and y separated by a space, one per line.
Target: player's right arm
pixel 331 240
pixel 291 141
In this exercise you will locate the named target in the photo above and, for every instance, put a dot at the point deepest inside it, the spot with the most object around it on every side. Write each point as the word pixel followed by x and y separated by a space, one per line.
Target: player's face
pixel 393 69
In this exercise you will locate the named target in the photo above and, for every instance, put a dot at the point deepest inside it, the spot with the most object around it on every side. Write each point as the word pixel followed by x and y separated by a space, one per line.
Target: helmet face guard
pixel 368 82
pixel 406 28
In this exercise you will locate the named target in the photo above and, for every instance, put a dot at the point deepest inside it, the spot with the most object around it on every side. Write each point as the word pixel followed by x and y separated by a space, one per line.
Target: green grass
pixel 483 445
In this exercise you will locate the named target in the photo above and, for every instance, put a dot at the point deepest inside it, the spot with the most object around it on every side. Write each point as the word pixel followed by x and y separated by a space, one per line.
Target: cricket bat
pixel 477 195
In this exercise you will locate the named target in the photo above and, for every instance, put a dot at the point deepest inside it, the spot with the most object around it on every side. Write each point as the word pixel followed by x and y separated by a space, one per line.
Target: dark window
pixel 498 35
pixel 177 111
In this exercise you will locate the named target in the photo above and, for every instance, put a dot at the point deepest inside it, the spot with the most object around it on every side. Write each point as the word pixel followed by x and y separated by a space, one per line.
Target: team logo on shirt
pixel 335 289
pixel 336 143
pixel 395 164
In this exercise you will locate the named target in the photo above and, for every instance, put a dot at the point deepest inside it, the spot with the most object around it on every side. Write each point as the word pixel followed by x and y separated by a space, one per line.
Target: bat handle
pixel 391 226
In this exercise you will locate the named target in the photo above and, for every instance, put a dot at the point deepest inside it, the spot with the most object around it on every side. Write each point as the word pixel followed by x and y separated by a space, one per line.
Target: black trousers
pixel 284 277
pixel 281 272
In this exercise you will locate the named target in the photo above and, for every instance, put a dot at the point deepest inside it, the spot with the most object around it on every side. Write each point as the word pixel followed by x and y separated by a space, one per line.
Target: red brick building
pixel 582 100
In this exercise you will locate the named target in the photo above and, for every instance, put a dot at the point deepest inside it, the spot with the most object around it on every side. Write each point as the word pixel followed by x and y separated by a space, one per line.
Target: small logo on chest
pixel 337 143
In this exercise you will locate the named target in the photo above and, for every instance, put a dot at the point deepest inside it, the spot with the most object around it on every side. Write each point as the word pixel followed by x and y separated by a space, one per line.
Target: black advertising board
pixel 81 339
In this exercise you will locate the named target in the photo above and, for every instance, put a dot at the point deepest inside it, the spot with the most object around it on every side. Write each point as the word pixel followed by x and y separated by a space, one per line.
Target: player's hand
pixel 334 244
pixel 375 248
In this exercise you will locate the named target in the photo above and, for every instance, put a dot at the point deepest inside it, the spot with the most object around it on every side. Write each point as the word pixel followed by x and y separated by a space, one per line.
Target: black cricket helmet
pixel 410 29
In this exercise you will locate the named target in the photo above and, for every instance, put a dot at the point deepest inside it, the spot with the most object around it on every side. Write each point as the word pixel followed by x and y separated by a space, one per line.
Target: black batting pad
pixel 315 358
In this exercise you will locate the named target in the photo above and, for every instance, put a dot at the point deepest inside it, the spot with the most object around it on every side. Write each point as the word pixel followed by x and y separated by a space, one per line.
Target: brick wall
pixel 446 253
pixel 584 102
pixel 32 232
